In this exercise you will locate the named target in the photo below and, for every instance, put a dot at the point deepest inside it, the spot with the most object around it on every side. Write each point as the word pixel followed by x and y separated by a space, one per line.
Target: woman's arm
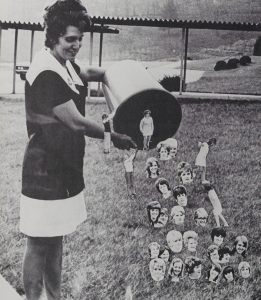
pixel 69 115
pixel 89 73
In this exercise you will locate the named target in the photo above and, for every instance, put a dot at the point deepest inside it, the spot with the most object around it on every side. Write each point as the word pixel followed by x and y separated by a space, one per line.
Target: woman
pixel 176 269
pixel 193 267
pixel 240 245
pixel 153 210
pixel 152 167
pixel 146 128
pixel 52 203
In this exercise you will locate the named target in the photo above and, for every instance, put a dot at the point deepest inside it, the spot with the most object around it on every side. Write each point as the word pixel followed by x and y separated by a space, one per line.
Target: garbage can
pixel 129 90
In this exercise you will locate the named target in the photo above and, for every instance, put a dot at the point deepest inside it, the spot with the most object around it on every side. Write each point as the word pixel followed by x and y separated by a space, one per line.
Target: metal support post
pixel 32 46
pixel 90 62
pixel 181 61
pixel 15 56
pixel 100 59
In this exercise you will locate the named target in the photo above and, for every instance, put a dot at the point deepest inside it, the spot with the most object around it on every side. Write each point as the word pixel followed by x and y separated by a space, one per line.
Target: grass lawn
pixel 109 251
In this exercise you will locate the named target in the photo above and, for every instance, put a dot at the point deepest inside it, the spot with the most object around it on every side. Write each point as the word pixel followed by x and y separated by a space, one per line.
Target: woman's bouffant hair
pixel 162 181
pixel 149 164
pixel 191 262
pixel 60 15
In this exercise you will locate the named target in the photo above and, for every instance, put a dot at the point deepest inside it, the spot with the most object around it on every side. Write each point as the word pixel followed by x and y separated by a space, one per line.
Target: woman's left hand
pixel 122 141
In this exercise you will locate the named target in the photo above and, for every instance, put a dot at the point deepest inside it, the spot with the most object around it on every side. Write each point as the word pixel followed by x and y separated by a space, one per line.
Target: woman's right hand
pixel 122 141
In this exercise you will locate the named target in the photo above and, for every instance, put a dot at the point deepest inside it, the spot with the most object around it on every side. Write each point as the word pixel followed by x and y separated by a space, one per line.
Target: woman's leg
pixel 148 141
pixel 144 143
pixel 33 267
pixel 53 269
pixel 42 262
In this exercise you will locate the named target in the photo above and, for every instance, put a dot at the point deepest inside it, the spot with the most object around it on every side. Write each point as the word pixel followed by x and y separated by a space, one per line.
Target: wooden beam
pixel 15 56
pixel 32 46
pixel 90 62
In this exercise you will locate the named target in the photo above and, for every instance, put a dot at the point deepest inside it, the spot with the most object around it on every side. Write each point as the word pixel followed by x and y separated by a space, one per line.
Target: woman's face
pixel 245 272
pixel 154 212
pixel 229 276
pixel 68 44
pixel 175 243
pixel 147 115
pixel 163 219
pixel 165 255
pixel 240 247
pixel 186 177
pixel 182 199
pixel 218 240
pixel 192 245
pixel 177 268
pixel 197 271
pixel 154 168
pixel 214 256
pixel 163 188
pixel 173 152
pixel 163 152
pixel 178 218
pixel 154 251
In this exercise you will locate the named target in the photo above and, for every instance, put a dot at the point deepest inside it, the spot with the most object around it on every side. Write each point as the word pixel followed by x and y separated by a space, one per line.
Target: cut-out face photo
pixel 224 255
pixel 164 152
pixel 163 187
pixel 171 144
pixel 240 245
pixel 154 249
pixel 153 210
pixel 201 217
pixel 217 235
pixel 165 253
pixel 212 254
pixel 228 273
pixel 244 269
pixel 176 269
pixel 157 269
pixel 213 273
pixel 193 267
pixel 174 240
pixel 190 239
pixel 163 218
pixel 180 194
pixel 178 215
pixel 185 173
pixel 152 167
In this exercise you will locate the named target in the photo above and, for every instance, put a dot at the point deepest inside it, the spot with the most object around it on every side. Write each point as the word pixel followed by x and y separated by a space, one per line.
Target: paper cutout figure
pixel 146 128
pixel 244 269
pixel 212 253
pixel 217 235
pixel 154 250
pixel 213 273
pixel 163 187
pixel 180 194
pixel 202 157
pixel 190 239
pixel 107 133
pixel 171 144
pixel 178 215
pixel 163 218
pixel 152 167
pixel 165 253
pixel 174 240
pixel 201 217
pixel 153 210
pixel 240 245
pixel 193 267
pixel 164 152
pixel 185 173
pixel 128 164
pixel 217 208
pixel 224 255
pixel 228 273
pixel 176 269
pixel 157 269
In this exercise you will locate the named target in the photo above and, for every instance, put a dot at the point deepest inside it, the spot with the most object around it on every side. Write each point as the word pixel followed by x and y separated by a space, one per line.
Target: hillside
pixel 139 43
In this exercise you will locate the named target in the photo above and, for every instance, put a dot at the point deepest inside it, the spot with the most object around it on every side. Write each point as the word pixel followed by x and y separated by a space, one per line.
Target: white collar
pixel 44 60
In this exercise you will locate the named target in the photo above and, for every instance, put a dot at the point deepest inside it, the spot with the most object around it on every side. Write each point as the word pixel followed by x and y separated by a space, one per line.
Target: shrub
pixel 244 60
pixel 232 63
pixel 257 47
pixel 171 83
pixel 220 65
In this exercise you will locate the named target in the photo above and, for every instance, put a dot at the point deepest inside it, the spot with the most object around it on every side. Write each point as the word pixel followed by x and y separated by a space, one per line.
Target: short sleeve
pixel 51 90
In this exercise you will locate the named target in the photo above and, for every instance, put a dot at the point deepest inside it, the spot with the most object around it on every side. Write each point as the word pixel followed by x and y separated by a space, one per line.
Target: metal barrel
pixel 129 90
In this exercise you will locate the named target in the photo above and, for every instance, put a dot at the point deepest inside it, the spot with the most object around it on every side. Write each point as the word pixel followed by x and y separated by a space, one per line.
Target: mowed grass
pixel 109 251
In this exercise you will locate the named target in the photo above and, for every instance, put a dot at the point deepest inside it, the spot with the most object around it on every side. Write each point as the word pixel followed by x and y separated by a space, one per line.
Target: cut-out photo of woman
pixel 240 246
pixel 154 249
pixel 157 269
pixel 193 267
pixel 163 187
pixel 152 168
pixel 165 253
pixel 178 215
pixel 213 273
pixel 201 217
pixel 146 128
pixel 244 269
pixel 228 274
pixel 153 210
pixel 176 269
pixel 163 218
